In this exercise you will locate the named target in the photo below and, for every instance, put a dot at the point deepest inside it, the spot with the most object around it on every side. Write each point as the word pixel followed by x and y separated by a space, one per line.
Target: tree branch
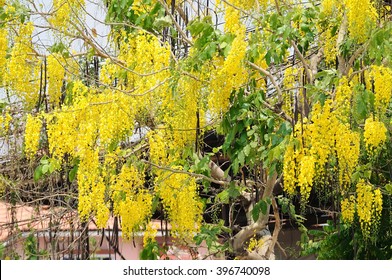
pixel 178 27
pixel 301 57
pixel 201 176
pixel 341 34
pixel 276 229
pixel 248 231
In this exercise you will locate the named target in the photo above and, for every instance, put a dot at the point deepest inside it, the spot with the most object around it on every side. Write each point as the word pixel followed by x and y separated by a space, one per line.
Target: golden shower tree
pixel 300 91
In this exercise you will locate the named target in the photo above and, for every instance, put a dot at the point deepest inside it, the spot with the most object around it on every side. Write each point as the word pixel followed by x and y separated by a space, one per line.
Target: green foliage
pixel 253 133
pixel 380 45
pixel 60 47
pixel 20 12
pixel 260 207
pixel 363 103
pixel 339 241
pixel 210 234
pixel 328 244
pixel 72 173
pixel 208 41
pixel 153 21
pixel 150 251
pixel 30 246
pixel 229 194
pixel 324 81
pixel 200 165
pixel 286 27
pixel 46 167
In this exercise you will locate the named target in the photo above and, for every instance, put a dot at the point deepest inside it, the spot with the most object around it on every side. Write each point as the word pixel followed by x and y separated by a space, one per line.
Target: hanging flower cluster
pixel 375 134
pixel 314 146
pixel 361 17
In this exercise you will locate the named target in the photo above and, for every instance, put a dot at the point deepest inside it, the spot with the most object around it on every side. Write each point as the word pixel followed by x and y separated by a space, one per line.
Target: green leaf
pixel 255 213
pixel 38 173
pixel 355 177
pixel 263 206
pixel 260 207
pixel 247 150
pixel 72 173
pixel 45 168
pixel 162 22
pixel 241 158
pixel 367 174
pixel 223 196
pixel 233 191
pixel 388 188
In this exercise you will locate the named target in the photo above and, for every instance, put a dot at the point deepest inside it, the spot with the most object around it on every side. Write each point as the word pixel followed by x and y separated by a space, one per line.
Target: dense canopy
pixel 107 107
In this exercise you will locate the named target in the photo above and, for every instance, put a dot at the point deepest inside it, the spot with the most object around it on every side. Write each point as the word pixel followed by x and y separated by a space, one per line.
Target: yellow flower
pixel 348 209
pixel 306 175
pixel 375 134
pixel 5 123
pixel 56 73
pixel 22 76
pixel 361 16
pixel 149 233
pixel 32 135
pixel 369 207
pixel 382 77
pixel 64 11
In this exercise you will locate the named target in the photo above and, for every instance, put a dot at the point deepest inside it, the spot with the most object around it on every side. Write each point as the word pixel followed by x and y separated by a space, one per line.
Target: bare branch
pixel 248 231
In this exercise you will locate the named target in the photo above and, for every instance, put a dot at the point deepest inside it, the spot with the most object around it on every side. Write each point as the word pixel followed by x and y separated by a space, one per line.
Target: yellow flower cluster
pixel 88 179
pixel 177 191
pixel 361 16
pixel 255 244
pixel 101 116
pixel 5 123
pixel 289 170
pixel 180 199
pixel 183 119
pixel 23 72
pixel 245 5
pixel 321 136
pixel 149 233
pixel 61 129
pixel 32 135
pixel 375 134
pixel 218 99
pixel 382 77
pixel 329 7
pixel 158 150
pixel 64 11
pixel 130 200
pixel 313 145
pixel 232 19
pixel 231 75
pixel 3 51
pixel 146 75
pixel 330 49
pixel 139 6
pixel 347 147
pixel 305 177
pixel 348 209
pixel 377 204
pixel 369 206
pixel 342 99
pixel 56 73
pixel 289 83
